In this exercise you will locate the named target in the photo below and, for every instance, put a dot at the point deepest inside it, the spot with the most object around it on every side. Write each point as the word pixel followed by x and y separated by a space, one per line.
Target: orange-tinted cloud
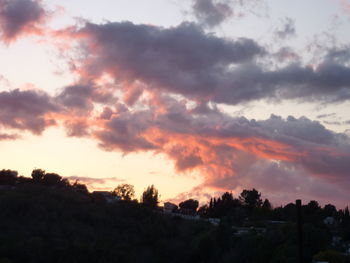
pixel 145 88
pixel 224 149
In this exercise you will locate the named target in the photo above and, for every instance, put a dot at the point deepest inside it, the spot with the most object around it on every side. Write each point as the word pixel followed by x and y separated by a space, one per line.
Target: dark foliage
pixel 189 206
pixel 47 219
pixel 150 197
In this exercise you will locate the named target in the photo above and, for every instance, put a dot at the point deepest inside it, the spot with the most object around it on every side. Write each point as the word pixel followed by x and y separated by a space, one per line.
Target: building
pixel 329 220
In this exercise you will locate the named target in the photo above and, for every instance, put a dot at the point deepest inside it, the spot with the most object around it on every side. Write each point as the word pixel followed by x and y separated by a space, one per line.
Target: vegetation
pixel 49 219
pixel 189 206
pixel 150 197
pixel 126 192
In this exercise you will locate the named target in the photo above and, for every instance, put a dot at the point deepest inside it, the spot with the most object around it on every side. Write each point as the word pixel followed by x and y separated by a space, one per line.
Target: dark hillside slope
pixel 42 224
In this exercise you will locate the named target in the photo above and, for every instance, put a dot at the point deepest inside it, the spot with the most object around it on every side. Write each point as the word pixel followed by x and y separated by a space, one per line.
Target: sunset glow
pixel 195 97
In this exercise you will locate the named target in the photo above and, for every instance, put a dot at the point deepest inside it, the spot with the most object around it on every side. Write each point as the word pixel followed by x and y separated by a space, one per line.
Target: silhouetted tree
pixel 23 180
pixel 38 175
pixel 289 212
pixel 81 188
pixel 51 179
pixel 345 217
pixel 225 205
pixel 125 191
pixel 150 196
pixel 329 210
pixel 250 198
pixel 8 177
pixel 312 212
pixel 189 206
pixel 264 212
pixel 203 211
pixel 266 205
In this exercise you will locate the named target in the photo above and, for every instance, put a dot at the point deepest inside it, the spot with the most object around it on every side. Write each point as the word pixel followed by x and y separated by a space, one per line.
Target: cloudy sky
pixel 194 96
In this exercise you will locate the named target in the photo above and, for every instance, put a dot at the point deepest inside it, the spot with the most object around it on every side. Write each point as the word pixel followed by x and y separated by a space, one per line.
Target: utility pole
pixel 300 231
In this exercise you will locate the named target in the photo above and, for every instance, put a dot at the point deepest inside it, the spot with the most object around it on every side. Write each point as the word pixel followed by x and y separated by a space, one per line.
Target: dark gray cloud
pixel 82 97
pixel 339 54
pixel 77 96
pixel 328 82
pixel 211 12
pixel 333 122
pixel 185 60
pixel 327 115
pixel 26 110
pixel 19 17
pixel 123 48
pixel 125 132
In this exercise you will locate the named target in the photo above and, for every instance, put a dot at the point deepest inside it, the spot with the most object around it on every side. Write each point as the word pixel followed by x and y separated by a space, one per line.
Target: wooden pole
pixel 300 231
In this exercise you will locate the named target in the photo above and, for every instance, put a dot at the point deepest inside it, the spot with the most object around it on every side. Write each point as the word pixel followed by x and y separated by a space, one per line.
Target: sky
pixel 197 97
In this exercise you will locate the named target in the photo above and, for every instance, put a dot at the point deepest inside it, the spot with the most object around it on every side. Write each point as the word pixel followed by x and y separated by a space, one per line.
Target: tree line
pixel 46 218
pixel 125 192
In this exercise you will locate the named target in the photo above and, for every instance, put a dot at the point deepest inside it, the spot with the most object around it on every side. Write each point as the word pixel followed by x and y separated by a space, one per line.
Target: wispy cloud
pixel 95 184
pixel 287 29
pixel 6 137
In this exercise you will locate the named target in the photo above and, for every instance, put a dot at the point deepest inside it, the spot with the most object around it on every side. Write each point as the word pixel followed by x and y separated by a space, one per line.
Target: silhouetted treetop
pixel 251 198
pixel 189 205
pixel 125 192
pixel 150 197
pixel 38 175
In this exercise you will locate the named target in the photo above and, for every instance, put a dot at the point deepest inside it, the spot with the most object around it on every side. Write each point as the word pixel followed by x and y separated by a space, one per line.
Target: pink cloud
pixel 228 152
pixel 346 5
pixel 97 184
pixel 161 80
